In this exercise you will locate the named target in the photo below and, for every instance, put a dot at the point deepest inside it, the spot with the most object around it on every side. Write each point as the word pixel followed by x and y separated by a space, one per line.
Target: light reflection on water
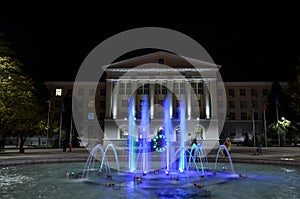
pixel 49 181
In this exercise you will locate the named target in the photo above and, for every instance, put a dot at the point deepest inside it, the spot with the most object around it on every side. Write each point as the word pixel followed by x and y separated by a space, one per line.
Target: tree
pixel 294 93
pixel 285 129
pixel 277 107
pixel 20 109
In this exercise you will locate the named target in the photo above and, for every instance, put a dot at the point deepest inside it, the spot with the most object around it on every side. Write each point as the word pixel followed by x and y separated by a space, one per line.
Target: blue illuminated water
pixel 49 181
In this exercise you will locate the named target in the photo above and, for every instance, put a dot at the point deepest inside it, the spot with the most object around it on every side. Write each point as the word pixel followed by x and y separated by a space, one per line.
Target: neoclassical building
pixel 156 75
pixel 212 108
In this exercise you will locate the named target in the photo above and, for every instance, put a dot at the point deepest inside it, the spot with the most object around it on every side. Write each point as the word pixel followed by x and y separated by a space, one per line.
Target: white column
pixel 207 99
pixel 170 86
pixel 115 95
pixel 152 85
pixel 213 97
pixel 109 101
pixel 133 87
pixel 188 103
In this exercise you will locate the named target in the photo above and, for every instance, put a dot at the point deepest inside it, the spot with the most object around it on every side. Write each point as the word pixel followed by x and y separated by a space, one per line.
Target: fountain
pixel 156 161
pixel 150 172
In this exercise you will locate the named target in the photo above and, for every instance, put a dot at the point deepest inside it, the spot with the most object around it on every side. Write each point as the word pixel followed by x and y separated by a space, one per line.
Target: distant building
pixel 245 108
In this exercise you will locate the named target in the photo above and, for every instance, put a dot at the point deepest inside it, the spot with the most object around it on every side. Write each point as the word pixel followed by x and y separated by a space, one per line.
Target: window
pixel 219 92
pixel 91 104
pixel 122 89
pixel 140 88
pixel 80 92
pixel 265 92
pixel 58 92
pixel 91 116
pixel 243 116
pixel 128 88
pixel 102 92
pixel 102 104
pixel 157 88
pixel 254 104
pixel 194 87
pixel 253 92
pixel 242 104
pixel 231 92
pixel 231 104
pixel 91 92
pixel 164 89
pixel 161 61
pixel 101 115
pixel 90 131
pixel 175 88
pixel 124 103
pixel 255 115
pixel 231 116
pixel 80 104
pixel 146 88
pixel 220 104
pixel 242 92
pixel 200 88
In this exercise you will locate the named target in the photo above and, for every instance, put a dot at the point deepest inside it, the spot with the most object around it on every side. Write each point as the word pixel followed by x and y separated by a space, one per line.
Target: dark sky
pixel 250 44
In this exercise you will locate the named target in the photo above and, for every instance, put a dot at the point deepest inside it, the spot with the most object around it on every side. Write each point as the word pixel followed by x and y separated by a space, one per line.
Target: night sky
pixel 251 45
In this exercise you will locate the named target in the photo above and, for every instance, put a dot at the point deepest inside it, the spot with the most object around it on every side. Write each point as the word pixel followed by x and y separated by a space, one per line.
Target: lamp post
pixel 283 121
pixel 48 122
pixel 277 124
pixel 60 124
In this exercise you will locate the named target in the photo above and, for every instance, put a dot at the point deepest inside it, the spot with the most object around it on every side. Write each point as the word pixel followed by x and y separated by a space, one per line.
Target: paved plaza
pixel 270 155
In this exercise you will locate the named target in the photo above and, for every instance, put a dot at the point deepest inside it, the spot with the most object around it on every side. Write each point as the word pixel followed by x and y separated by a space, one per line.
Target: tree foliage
pixel 19 106
pixel 294 93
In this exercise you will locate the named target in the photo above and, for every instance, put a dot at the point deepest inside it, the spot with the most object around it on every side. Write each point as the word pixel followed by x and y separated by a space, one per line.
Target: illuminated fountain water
pixel 143 135
pixel 223 147
pixel 131 135
pixel 158 164
pixel 94 156
pixel 168 128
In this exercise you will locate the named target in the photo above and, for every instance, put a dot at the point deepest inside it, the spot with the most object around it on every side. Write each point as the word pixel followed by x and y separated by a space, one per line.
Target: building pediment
pixel 156 59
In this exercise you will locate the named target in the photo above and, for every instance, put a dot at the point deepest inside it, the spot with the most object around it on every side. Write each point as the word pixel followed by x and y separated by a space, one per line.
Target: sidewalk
pixel 270 155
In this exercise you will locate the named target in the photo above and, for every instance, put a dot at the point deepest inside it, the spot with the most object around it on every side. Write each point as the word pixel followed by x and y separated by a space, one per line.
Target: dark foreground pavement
pixel 270 155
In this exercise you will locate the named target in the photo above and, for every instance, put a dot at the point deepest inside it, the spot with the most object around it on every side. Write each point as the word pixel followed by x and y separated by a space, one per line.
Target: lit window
pixel 91 104
pixel 58 92
pixel 91 116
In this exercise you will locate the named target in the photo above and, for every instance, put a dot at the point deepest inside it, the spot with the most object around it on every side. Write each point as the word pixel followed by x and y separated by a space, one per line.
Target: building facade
pixel 212 107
